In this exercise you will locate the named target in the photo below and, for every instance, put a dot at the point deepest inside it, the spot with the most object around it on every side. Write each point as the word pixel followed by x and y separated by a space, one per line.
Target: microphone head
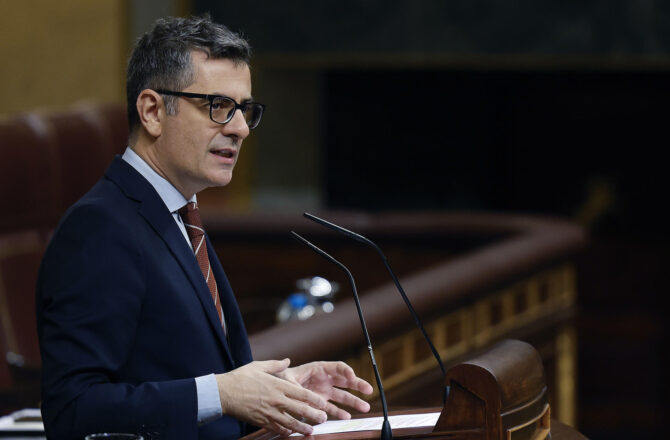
pixel 337 228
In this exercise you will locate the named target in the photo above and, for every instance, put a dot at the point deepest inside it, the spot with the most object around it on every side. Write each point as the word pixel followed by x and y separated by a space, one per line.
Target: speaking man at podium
pixel 139 328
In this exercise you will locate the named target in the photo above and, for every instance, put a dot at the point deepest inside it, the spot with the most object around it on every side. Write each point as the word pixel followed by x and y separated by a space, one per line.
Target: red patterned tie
pixel 191 218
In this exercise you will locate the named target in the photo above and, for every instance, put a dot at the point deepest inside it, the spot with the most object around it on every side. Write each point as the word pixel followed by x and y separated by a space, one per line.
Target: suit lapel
pixel 157 215
pixel 237 334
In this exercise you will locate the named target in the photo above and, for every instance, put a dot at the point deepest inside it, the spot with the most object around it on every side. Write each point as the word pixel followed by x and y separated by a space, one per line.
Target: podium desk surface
pixel 559 431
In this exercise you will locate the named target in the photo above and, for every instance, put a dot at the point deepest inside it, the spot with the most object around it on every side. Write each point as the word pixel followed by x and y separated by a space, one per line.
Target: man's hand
pixel 323 378
pixel 255 394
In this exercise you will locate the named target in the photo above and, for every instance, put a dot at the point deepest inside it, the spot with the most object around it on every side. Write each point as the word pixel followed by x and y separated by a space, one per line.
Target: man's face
pixel 193 152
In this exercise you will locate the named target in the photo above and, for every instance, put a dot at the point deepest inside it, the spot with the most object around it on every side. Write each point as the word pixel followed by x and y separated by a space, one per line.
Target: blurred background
pixel 533 106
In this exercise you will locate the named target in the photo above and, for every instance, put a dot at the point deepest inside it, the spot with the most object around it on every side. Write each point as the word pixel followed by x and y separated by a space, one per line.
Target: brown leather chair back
pixel 48 162
pixel 29 170
pixel 85 149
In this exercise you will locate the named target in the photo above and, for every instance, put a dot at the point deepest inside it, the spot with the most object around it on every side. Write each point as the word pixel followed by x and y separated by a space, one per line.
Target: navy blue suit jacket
pixel 126 321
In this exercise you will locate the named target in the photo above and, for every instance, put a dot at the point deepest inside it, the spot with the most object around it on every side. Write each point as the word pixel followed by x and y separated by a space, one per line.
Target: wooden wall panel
pixel 58 53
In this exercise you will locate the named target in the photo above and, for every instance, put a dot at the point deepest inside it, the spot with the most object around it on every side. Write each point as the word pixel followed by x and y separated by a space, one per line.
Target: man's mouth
pixel 227 153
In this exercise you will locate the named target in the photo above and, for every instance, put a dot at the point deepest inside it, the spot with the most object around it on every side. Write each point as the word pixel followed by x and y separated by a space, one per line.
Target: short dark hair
pixel 161 58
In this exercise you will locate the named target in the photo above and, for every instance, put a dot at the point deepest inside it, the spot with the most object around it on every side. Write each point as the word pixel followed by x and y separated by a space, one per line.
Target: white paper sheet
pixel 15 422
pixel 375 423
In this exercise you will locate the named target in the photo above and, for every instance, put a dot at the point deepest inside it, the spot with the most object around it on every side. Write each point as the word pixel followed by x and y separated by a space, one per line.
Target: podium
pixel 499 395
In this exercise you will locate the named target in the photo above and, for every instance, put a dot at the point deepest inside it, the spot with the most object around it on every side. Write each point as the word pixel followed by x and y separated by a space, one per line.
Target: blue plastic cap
pixel 297 300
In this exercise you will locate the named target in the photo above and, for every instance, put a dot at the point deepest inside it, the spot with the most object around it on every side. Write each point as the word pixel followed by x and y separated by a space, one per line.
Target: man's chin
pixel 221 180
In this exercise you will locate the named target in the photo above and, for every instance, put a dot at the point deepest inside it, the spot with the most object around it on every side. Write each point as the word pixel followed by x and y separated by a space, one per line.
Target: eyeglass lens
pixel 223 110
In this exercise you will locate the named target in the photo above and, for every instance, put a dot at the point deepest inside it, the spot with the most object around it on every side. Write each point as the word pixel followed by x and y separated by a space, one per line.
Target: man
pixel 138 326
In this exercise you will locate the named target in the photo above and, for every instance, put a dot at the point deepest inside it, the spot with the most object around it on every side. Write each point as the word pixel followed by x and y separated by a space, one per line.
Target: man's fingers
pixel 287 422
pixel 337 413
pixel 272 367
pixel 303 411
pixel 354 383
pixel 276 427
pixel 312 410
pixel 343 376
pixel 299 401
pixel 284 415
pixel 348 399
pixel 297 392
pixel 362 386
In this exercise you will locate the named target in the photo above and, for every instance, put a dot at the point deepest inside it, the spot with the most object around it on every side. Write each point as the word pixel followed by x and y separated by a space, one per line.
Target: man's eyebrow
pixel 249 99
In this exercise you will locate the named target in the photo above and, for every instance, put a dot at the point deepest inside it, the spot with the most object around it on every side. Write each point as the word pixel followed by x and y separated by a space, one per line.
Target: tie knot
pixel 189 207
pixel 191 217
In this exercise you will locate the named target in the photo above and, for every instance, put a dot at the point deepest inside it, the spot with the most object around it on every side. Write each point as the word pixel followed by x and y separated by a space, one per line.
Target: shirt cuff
pixel 209 401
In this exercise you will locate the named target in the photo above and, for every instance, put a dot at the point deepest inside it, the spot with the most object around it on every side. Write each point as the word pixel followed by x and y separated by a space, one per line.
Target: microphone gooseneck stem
pixel 386 433
pixel 370 243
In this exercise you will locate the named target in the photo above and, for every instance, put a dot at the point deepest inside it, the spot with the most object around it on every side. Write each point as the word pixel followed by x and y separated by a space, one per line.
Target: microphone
pixel 386 433
pixel 417 320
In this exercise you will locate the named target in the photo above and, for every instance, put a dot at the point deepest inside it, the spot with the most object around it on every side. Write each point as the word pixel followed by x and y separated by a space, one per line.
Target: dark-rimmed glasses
pixel 222 108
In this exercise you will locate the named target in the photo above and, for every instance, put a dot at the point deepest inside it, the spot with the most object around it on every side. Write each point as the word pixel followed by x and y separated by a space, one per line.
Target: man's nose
pixel 237 125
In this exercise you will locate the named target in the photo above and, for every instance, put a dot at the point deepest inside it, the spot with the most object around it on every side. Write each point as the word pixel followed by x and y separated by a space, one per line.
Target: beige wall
pixel 55 53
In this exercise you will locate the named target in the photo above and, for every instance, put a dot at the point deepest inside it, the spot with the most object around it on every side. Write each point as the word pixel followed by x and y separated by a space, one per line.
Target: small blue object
pixel 297 300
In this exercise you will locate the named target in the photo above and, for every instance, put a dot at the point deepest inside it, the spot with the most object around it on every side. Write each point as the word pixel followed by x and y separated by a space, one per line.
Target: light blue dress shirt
pixel 209 402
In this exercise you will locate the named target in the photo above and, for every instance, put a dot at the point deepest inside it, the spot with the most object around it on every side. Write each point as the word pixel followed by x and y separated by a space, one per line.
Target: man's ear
pixel 151 109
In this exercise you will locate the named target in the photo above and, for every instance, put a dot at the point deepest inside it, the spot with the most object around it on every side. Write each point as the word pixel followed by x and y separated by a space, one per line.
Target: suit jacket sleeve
pixel 90 296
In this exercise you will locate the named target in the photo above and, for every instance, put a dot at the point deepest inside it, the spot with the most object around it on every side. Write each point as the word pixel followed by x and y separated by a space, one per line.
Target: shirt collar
pixel 172 198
